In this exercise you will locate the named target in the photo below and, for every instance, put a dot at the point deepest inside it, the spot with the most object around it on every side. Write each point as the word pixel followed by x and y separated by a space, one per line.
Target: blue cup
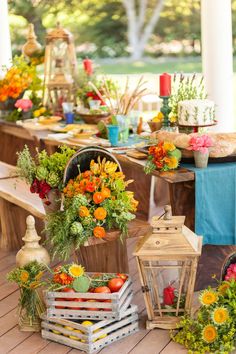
pixel 113 134
pixel 69 117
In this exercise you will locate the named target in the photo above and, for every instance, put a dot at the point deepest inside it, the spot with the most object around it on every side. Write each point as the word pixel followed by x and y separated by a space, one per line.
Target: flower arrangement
pixel 185 88
pixel 29 280
pixel 21 77
pixel 214 328
pixel 73 278
pixel 96 200
pixel 44 172
pixel 200 143
pixel 164 157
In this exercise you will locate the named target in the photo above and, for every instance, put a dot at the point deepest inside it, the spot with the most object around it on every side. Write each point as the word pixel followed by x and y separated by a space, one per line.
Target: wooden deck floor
pixel 143 342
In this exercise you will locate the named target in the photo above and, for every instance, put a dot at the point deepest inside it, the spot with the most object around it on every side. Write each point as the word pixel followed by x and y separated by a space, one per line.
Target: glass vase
pixel 201 159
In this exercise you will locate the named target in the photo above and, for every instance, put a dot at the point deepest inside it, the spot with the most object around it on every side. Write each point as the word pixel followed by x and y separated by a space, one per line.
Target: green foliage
pixel 191 333
pixel 186 88
pixel 49 168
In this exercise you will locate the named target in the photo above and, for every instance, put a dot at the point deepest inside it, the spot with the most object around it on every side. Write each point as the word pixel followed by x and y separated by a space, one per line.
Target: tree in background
pixel 142 17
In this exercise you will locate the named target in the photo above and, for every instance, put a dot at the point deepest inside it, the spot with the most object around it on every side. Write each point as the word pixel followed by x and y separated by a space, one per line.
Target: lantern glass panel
pixel 167 283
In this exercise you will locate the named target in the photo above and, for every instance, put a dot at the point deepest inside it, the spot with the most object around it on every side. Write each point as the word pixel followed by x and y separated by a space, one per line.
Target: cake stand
pixel 196 127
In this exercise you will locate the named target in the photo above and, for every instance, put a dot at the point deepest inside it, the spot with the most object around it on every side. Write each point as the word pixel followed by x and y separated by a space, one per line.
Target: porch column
pixel 5 40
pixel 217 59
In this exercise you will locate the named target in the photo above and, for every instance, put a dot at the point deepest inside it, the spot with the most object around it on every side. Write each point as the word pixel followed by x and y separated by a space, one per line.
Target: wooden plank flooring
pixel 15 342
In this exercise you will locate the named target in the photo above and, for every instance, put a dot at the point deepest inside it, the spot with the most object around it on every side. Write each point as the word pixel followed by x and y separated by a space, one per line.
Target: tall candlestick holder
pixel 165 110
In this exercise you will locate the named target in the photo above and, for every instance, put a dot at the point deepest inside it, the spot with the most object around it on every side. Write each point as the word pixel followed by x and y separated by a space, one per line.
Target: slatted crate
pixel 93 338
pixel 112 303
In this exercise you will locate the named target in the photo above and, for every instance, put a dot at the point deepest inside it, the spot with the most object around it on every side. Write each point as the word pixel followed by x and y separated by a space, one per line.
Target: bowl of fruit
pixel 156 122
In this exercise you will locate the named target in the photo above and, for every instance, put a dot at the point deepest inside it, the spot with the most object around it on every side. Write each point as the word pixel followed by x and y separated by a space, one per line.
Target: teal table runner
pixel 215 203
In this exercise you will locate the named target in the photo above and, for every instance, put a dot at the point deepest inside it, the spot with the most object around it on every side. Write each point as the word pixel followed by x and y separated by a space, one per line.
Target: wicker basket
pixel 230 259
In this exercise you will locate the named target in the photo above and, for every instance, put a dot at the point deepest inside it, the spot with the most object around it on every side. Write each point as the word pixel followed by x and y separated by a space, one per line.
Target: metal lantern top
pixel 169 236
pixel 59 33
pixel 32 46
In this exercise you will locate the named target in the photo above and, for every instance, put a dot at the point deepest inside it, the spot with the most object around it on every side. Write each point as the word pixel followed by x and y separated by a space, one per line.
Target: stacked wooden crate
pixel 90 321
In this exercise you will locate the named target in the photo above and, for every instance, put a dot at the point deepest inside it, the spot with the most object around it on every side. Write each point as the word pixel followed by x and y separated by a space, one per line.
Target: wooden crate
pixel 93 338
pixel 113 304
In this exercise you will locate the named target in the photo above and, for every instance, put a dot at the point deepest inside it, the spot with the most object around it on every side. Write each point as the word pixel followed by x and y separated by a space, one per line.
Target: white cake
pixel 196 112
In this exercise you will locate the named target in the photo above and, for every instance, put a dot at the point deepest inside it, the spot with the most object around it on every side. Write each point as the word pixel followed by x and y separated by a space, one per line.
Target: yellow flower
pixel 158 118
pixel 169 146
pixel 24 276
pixel 220 315
pixel 208 297
pixel 34 285
pixel 222 288
pixel 76 270
pixel 42 110
pixel 209 334
pixel 172 162
pixel 37 113
pixel 172 118
pixel 110 167
pixel 39 276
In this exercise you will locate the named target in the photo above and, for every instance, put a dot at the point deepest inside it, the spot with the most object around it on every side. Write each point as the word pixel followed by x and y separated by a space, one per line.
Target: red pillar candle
pixel 168 295
pixel 88 66
pixel 165 85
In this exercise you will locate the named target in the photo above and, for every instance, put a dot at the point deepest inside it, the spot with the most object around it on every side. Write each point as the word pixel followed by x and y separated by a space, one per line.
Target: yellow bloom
pixel 24 276
pixel 172 118
pixel 220 315
pixel 110 167
pixel 172 162
pixel 208 297
pixel 158 118
pixel 37 113
pixel 76 270
pixel 34 285
pixel 209 334
pixel 222 288
pixel 169 146
pixel 42 110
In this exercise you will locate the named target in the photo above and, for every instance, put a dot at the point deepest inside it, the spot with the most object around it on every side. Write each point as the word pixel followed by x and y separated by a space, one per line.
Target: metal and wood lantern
pixel 59 68
pixel 167 261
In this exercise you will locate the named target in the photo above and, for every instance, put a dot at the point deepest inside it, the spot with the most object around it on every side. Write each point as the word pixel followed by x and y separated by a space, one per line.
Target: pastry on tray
pixel 224 143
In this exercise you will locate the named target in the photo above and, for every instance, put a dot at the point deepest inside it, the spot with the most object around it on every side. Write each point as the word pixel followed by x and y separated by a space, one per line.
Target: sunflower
pixel 24 276
pixel 223 288
pixel 169 146
pixel 208 297
pixel 76 270
pixel 172 162
pixel 220 315
pixel 209 334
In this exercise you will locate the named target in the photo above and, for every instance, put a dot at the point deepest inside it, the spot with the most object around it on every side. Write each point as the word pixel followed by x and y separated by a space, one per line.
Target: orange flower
pixel 98 198
pixel 87 174
pixel 99 232
pixel 100 213
pixel 83 211
pixel 106 192
pixel 63 279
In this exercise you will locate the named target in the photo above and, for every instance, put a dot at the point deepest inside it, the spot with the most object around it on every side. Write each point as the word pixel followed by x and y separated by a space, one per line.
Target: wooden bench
pixel 17 202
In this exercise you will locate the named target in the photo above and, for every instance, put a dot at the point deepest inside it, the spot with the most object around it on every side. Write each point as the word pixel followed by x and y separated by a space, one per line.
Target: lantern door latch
pixel 145 289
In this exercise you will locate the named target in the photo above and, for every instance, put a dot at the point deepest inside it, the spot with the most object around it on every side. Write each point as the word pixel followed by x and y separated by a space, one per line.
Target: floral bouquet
pixel 44 172
pixel 21 77
pixel 164 157
pixel 214 328
pixel 29 280
pixel 200 143
pixel 95 201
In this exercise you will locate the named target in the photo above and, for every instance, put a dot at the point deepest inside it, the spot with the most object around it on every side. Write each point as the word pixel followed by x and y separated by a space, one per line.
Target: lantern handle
pixel 168 212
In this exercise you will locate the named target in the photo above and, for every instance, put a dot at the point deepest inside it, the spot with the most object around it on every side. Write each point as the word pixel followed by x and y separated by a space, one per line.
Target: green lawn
pixel 151 66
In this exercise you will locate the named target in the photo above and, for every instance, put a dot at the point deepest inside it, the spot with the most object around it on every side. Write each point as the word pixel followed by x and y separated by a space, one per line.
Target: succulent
pixel 76 228
pixel 53 179
pixel 41 173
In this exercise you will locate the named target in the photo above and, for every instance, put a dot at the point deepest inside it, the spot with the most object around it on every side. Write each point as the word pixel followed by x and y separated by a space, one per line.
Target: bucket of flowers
pixel 44 174
pixel 95 200
pixel 163 157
